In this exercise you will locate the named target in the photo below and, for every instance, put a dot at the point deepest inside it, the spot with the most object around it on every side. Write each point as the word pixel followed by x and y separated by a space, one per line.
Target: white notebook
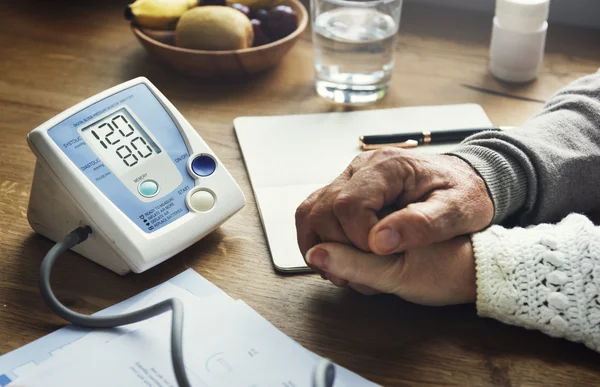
pixel 289 157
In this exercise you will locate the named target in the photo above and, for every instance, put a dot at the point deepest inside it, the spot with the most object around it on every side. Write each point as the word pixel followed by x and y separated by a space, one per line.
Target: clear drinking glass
pixel 354 48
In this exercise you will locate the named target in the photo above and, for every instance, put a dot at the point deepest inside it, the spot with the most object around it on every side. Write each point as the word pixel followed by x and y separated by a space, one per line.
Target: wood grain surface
pixel 55 54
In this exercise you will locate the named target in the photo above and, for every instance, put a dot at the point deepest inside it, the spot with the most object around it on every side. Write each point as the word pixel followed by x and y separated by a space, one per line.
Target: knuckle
pixel 386 152
pixel 303 210
pixel 357 163
pixel 407 168
pixel 454 210
pixel 396 167
pixel 306 206
pixel 343 205
pixel 387 165
pixel 360 159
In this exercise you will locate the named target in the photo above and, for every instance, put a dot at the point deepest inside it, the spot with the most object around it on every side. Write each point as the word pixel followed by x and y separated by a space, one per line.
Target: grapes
pixel 260 38
pixel 262 15
pixel 268 24
pixel 242 8
pixel 281 21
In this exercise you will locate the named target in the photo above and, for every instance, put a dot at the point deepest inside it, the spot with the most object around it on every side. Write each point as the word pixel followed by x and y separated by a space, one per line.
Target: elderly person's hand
pixel 432 198
pixel 437 274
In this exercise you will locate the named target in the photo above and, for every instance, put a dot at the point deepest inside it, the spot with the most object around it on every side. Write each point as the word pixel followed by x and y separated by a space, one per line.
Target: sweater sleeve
pixel 548 167
pixel 545 277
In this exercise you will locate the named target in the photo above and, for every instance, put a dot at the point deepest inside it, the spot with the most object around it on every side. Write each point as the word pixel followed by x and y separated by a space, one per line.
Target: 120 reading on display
pixel 120 141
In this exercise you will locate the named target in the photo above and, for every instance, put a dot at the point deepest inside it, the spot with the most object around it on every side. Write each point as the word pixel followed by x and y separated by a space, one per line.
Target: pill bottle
pixel 518 39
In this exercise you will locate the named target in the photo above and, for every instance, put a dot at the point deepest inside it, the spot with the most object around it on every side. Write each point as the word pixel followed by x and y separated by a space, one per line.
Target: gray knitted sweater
pixel 550 166
pixel 544 277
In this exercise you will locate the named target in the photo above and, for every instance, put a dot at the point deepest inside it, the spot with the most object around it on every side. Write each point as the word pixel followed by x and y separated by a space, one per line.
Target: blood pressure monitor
pixel 124 180
pixel 126 163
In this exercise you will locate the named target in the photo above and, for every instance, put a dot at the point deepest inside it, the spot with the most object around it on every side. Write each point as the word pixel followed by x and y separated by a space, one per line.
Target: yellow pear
pixel 214 28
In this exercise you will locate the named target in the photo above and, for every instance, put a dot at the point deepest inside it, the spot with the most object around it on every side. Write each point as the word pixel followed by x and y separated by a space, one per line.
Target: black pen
pixel 411 140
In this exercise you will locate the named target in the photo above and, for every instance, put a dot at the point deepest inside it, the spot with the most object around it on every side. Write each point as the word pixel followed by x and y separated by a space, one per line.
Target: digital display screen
pixel 120 141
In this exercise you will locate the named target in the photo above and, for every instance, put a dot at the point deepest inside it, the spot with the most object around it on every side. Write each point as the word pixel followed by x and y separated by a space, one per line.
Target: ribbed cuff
pixel 496 295
pixel 505 179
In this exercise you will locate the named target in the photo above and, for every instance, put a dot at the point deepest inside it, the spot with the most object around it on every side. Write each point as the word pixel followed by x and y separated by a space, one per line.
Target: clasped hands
pixel 397 222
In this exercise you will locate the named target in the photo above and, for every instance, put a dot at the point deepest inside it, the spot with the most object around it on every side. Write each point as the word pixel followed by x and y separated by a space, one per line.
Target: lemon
pixel 159 14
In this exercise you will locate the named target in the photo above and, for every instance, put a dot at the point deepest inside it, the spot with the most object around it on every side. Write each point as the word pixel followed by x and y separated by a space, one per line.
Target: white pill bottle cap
pixel 522 15
pixel 519 39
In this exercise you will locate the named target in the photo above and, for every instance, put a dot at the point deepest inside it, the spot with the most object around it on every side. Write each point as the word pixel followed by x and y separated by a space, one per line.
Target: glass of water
pixel 354 48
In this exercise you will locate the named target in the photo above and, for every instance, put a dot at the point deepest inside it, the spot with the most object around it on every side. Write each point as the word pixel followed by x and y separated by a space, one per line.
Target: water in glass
pixel 354 54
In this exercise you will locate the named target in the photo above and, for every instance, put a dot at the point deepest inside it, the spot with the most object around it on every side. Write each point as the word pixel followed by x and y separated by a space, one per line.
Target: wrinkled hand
pixel 437 274
pixel 433 198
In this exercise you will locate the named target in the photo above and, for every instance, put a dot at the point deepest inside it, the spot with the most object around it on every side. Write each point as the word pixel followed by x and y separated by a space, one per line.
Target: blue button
pixel 148 188
pixel 4 380
pixel 204 165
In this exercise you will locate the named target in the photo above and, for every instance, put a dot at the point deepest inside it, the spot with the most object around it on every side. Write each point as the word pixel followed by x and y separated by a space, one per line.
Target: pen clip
pixel 404 145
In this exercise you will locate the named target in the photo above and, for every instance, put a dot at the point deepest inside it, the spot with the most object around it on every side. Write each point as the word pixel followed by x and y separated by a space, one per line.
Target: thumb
pixel 435 220
pixel 365 271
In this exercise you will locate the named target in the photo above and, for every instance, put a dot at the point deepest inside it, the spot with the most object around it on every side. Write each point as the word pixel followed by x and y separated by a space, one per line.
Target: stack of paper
pixel 226 343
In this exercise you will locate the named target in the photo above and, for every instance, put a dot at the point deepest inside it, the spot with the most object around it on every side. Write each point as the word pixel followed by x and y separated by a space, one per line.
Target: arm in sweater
pixel 550 166
pixel 545 277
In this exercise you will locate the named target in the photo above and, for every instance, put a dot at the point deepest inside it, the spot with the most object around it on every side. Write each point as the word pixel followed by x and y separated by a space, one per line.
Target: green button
pixel 148 188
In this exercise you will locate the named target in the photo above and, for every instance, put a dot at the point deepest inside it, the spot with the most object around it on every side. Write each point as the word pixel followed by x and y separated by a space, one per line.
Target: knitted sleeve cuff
pixel 505 179
pixel 545 277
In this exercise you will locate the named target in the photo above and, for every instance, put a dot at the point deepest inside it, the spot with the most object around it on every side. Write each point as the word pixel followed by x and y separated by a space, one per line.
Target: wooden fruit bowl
pixel 223 64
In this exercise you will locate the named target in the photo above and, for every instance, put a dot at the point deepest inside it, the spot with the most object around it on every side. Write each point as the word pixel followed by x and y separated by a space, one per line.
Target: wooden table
pixel 55 54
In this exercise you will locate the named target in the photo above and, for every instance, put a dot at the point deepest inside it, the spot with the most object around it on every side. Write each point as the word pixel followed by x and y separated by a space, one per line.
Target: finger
pixel 435 220
pixel 322 219
pixel 340 283
pixel 379 273
pixel 306 236
pixel 355 218
pixel 334 280
pixel 368 192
